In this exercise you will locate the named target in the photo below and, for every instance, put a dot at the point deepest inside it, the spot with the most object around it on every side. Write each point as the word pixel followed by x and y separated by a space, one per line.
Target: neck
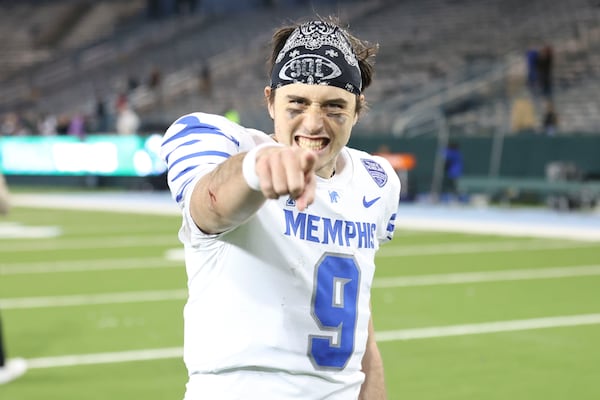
pixel 328 170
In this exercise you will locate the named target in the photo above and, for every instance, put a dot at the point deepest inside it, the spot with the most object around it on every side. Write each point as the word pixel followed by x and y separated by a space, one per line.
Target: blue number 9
pixel 334 306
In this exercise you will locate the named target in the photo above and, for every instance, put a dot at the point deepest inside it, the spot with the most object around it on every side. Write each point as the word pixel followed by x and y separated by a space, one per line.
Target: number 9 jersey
pixel 278 307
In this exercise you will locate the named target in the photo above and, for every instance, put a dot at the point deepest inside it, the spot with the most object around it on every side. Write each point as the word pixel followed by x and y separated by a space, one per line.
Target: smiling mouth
pixel 314 144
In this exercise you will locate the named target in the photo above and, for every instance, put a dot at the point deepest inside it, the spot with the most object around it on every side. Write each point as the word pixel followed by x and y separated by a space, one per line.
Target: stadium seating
pixel 460 57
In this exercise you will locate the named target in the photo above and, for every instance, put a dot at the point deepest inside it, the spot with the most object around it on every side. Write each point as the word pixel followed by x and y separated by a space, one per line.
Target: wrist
pixel 249 165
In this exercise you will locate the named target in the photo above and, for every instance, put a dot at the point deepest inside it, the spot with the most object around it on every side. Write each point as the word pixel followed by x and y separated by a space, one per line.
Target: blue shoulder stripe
pixel 185 171
pixel 200 154
pixel 179 196
pixel 190 142
pixel 194 126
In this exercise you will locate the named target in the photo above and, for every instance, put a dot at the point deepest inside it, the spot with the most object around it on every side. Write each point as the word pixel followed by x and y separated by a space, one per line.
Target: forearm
pixel 222 199
pixel 373 388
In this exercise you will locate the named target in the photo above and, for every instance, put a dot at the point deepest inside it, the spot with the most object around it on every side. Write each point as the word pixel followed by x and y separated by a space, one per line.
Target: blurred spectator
pixel 155 78
pixel 550 119
pixel 77 125
pixel 453 168
pixel 47 125
pixel 101 116
pixel 205 80
pixel 14 124
pixel 121 101
pixel 128 121
pixel 132 83
pixel 545 63
pixel 532 56
pixel 62 124
pixel 9 124
pixel 522 114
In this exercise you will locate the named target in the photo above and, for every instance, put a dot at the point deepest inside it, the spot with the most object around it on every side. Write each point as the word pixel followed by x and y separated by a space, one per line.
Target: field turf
pixel 90 300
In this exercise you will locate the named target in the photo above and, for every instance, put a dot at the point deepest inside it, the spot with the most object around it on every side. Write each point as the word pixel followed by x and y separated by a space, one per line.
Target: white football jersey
pixel 278 307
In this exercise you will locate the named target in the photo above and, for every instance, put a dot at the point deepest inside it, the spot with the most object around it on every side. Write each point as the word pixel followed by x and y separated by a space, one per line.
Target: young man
pixel 13 368
pixel 280 231
pixel 10 369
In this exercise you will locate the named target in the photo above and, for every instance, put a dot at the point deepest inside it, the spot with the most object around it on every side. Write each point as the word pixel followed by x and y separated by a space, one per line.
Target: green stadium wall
pixel 522 155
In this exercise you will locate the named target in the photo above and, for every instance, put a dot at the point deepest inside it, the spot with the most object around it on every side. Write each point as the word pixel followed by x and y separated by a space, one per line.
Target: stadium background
pixel 447 70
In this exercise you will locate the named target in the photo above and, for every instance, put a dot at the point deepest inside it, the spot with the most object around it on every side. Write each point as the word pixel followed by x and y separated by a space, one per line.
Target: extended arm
pixel 222 199
pixel 373 388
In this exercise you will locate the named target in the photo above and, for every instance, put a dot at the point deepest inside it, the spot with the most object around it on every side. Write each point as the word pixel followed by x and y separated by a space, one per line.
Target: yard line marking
pixel 482 247
pixel 86 265
pixel 378 283
pixel 91 299
pixel 486 276
pixel 88 243
pixel 488 327
pixel 382 336
pixel 105 358
pixel 178 254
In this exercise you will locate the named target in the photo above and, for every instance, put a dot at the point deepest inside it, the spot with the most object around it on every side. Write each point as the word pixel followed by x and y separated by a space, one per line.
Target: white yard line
pixel 105 358
pixel 87 265
pixel 383 336
pixel 89 243
pixel 486 276
pixel 406 281
pixel 488 327
pixel 479 247
pixel 91 299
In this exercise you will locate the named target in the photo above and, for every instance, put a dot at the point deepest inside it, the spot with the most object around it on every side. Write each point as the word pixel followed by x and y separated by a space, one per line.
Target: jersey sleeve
pixel 392 202
pixel 194 145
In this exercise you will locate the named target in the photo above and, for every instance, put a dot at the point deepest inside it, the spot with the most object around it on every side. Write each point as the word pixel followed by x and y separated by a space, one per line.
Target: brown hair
pixel 365 54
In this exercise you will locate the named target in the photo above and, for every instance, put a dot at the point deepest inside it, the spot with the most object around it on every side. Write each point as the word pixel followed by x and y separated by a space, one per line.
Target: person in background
pixel 128 122
pixel 545 67
pixel 10 369
pixel 4 196
pixel 531 59
pixel 280 231
pixel 453 169
pixel 550 118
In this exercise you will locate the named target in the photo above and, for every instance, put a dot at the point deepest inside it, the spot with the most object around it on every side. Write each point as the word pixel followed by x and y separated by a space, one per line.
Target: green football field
pixel 93 304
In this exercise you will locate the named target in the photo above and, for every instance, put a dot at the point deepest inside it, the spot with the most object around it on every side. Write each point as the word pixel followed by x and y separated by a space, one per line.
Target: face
pixel 315 117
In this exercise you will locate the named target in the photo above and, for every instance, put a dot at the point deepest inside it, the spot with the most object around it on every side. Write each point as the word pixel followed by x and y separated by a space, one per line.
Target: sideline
pixel 383 336
pixel 542 223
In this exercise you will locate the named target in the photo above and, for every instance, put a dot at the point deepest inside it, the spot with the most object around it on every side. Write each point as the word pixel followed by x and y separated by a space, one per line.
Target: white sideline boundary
pixel 383 336
pixel 463 219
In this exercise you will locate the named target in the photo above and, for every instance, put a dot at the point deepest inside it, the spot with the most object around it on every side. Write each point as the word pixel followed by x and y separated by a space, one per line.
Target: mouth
pixel 313 144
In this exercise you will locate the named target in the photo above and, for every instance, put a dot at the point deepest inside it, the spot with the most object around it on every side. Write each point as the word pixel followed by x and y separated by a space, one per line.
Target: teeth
pixel 311 144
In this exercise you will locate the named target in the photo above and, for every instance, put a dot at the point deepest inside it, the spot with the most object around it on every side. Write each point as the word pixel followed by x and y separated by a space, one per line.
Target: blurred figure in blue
pixel 531 58
pixel 453 169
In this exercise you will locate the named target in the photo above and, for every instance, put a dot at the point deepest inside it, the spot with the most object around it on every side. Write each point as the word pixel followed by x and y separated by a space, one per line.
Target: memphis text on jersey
pixel 314 228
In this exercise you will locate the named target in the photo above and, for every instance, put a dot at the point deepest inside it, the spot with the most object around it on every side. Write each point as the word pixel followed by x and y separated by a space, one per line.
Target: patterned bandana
pixel 317 53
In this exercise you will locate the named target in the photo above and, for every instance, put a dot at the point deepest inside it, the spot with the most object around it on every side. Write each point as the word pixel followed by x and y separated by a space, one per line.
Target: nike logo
pixel 369 203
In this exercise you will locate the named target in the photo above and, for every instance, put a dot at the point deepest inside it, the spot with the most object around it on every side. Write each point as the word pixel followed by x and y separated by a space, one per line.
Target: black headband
pixel 317 53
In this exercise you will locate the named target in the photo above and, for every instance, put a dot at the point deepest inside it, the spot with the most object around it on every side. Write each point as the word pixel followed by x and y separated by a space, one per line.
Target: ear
pixel 270 106
pixel 361 100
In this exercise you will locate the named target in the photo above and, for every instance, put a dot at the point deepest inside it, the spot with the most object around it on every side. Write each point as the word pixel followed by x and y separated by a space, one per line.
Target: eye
pixel 334 107
pixel 299 102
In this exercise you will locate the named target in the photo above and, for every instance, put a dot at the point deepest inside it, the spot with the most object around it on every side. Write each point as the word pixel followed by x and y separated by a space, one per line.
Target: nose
pixel 313 119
